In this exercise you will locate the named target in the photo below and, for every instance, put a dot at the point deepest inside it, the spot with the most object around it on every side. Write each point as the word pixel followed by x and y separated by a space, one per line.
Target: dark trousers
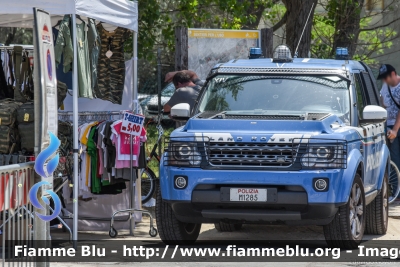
pixel 394 148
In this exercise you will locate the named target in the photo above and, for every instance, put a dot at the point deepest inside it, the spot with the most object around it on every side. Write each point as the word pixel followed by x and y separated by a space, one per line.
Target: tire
pixel 346 230
pixel 377 212
pixel 148 184
pixel 394 182
pixel 113 233
pixel 172 231
pixel 227 227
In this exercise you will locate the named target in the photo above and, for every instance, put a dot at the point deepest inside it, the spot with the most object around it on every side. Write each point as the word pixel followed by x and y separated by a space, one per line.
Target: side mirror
pixel 180 112
pixel 374 114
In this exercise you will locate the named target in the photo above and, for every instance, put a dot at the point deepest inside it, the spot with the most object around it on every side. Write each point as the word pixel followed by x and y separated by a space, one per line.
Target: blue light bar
pixel 342 53
pixel 255 52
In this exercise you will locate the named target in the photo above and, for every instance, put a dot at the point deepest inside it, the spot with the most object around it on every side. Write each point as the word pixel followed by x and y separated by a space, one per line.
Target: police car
pixel 279 141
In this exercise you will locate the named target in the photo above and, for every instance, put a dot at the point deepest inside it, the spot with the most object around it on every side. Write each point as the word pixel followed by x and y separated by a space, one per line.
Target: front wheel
pixel 346 230
pixel 377 213
pixel 171 230
pixel 394 182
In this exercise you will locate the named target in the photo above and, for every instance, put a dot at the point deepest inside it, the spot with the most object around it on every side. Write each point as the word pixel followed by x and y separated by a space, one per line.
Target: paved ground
pixel 249 232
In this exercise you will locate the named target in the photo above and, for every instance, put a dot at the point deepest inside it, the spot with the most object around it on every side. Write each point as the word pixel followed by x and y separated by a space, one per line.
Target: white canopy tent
pixel 122 13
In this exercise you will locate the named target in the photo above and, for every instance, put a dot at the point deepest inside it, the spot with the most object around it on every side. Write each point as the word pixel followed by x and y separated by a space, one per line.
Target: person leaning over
pixel 390 99
pixel 186 91
pixel 193 77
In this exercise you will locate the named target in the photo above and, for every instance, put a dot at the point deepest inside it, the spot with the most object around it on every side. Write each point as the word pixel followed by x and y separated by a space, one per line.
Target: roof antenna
pixel 301 36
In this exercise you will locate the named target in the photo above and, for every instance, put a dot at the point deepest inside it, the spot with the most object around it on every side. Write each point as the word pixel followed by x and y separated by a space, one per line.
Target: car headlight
pixel 184 154
pixel 319 156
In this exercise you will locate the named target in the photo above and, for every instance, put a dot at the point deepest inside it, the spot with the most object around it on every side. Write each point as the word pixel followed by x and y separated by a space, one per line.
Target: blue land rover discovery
pixel 281 140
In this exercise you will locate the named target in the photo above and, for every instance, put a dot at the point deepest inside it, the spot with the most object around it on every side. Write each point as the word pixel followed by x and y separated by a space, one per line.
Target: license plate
pixel 248 194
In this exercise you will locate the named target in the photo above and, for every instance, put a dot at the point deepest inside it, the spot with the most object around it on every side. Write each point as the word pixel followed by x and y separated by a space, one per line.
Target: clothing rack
pixel 99 115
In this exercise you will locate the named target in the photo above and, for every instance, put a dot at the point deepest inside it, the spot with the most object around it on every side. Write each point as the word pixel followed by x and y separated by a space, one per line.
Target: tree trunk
pixel 10 37
pixel 347 15
pixel 297 14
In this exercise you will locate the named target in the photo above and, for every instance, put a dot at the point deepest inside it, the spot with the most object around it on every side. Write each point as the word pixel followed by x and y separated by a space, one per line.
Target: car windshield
pixel 277 95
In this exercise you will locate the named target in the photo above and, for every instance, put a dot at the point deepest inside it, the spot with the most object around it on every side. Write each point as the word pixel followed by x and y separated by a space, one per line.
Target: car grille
pixel 252 154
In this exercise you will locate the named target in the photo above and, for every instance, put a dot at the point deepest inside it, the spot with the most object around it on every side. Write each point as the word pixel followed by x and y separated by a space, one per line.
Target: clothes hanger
pixel 58 23
pixel 79 17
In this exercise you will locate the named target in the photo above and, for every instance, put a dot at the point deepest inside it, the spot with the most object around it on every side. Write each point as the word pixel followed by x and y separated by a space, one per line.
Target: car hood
pixel 153 100
pixel 257 130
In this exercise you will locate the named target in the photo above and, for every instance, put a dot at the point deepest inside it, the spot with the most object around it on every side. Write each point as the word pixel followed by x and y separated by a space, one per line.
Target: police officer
pixel 390 99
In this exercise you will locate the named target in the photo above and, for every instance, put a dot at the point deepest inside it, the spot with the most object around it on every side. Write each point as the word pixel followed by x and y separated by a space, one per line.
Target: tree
pixel 297 12
pixel 347 24
pixel 346 16
pixel 16 36
pixel 344 23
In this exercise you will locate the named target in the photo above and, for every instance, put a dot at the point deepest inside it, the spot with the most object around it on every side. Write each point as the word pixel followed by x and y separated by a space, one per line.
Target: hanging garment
pixel 122 142
pixel 94 43
pixel 3 82
pixel 84 73
pixel 63 45
pixel 92 151
pixel 61 75
pixel 111 65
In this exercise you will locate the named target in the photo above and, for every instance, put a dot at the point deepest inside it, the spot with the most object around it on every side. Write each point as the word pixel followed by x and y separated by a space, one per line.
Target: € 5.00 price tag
pixel 132 124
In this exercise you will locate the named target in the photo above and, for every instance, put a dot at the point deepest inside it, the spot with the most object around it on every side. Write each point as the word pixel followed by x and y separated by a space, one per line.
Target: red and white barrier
pixel 15 186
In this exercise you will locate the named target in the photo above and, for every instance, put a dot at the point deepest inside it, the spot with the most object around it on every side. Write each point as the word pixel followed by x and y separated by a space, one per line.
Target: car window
pixel 169 90
pixel 361 99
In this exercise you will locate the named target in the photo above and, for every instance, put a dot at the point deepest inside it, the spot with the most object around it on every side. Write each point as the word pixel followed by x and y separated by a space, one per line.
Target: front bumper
pixel 309 214
pixel 295 200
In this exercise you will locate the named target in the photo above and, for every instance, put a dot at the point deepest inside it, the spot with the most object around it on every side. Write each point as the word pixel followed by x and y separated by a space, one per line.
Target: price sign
pixel 132 124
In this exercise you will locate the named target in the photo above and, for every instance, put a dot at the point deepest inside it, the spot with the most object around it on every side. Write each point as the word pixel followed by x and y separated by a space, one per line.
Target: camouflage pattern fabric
pixel 26 113
pixel 27 137
pixel 62 90
pixel 8 112
pixel 8 139
pixel 111 71
pixel 65 136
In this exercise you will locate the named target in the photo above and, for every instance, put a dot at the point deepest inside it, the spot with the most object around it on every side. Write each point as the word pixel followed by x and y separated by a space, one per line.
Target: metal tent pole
pixel 75 135
pixel 136 110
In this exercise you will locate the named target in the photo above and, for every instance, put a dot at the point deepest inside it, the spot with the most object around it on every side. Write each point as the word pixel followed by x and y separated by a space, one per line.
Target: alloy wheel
pixel 356 211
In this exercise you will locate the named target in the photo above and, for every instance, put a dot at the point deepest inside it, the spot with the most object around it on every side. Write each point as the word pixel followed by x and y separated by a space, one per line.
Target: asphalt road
pixel 248 232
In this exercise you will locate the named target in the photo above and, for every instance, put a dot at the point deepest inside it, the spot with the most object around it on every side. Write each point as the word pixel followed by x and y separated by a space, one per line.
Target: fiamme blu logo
pixel 45 164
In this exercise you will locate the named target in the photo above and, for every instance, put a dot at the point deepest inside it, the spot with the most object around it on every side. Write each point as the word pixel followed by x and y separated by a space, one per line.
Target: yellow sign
pixel 227 34
pixel 26 117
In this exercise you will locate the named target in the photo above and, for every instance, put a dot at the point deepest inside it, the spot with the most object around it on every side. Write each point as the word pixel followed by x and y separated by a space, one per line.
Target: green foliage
pixel 368 42
pixel 158 19
pixel 152 136
pixel 373 42
pixel 275 13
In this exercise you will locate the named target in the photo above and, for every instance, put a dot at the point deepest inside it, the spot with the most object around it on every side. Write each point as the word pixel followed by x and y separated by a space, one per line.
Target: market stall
pixel 120 13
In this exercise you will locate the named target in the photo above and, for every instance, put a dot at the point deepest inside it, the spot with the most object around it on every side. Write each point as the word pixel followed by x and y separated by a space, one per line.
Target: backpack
pixel 26 126
pixel 62 90
pixel 65 136
pixel 9 138
pixel 8 112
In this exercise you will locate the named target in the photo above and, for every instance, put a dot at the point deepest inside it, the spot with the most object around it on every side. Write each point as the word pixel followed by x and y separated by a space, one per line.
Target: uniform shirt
pixel 84 70
pixel 94 43
pixel 64 45
pixel 391 107
pixel 187 94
